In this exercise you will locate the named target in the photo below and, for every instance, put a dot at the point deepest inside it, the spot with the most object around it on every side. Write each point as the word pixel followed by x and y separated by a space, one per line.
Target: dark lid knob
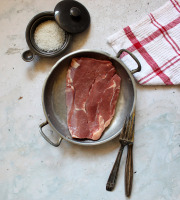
pixel 75 12
pixel 71 16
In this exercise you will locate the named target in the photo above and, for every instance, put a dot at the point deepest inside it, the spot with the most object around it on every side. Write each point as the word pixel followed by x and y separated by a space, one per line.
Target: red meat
pixel 92 90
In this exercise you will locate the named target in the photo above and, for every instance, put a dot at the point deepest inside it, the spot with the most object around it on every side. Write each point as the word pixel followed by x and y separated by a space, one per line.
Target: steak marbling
pixel 92 90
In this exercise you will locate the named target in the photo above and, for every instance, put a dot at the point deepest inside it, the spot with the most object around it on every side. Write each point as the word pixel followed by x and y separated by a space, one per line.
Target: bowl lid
pixel 72 16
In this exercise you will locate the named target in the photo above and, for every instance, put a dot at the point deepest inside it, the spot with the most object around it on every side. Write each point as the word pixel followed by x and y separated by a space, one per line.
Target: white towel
pixel 155 41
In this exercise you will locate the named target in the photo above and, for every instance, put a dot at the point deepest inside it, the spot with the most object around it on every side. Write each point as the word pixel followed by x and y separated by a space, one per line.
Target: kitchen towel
pixel 155 41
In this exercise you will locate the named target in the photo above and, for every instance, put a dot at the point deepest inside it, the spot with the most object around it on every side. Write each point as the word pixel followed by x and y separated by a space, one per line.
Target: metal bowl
pixel 34 49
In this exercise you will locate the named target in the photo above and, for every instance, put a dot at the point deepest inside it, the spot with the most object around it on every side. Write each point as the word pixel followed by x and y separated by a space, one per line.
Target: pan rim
pixel 79 142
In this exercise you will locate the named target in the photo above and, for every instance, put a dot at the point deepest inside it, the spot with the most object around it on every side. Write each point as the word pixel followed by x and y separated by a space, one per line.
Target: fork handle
pixel 114 172
pixel 129 171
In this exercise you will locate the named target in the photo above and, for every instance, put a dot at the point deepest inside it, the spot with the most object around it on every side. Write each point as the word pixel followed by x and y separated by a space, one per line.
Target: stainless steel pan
pixel 54 105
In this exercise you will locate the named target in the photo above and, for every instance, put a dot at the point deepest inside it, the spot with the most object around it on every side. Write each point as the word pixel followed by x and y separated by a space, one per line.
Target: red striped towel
pixel 155 41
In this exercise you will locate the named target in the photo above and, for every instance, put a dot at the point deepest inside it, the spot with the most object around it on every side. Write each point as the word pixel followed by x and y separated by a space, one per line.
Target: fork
pixel 126 138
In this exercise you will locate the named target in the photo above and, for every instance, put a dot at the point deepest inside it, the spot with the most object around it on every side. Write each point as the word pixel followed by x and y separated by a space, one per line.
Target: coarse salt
pixel 48 36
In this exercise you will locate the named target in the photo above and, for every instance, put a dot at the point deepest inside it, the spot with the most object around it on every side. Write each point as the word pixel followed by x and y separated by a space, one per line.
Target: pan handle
pixel 134 57
pixel 46 138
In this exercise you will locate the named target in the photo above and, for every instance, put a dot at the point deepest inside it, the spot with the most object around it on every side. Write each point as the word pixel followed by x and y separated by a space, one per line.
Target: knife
pixel 129 169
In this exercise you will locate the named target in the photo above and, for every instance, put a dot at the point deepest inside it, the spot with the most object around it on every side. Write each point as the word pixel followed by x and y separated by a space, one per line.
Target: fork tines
pixel 128 129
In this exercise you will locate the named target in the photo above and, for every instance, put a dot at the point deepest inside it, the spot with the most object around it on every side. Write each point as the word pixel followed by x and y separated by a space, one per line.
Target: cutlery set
pixel 126 138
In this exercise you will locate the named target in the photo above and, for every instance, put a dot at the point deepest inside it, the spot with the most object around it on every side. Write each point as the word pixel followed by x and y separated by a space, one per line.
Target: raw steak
pixel 92 90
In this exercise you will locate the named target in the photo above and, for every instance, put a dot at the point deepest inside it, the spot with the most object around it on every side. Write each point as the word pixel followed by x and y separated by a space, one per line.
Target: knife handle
pixel 129 171
pixel 114 172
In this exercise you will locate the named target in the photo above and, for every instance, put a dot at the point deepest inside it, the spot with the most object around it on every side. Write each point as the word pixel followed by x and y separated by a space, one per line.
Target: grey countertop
pixel 30 168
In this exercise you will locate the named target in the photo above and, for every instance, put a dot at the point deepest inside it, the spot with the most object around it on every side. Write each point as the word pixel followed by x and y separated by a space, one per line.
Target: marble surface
pixel 32 169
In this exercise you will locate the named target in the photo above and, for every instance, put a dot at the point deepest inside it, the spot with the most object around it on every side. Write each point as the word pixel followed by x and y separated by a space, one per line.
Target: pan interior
pixel 54 99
